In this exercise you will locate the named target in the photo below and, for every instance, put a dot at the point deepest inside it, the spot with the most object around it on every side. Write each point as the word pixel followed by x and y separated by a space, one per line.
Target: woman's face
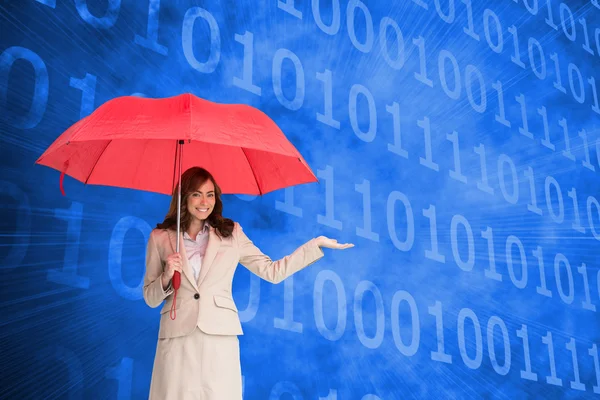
pixel 201 202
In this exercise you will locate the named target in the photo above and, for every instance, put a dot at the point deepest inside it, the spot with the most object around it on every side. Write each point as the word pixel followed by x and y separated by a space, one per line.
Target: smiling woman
pixel 197 355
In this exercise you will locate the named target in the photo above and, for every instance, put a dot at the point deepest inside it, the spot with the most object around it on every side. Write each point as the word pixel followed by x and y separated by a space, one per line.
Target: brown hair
pixel 190 182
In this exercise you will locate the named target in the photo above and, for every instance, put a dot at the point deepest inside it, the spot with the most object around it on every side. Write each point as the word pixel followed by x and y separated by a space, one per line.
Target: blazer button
pixel 196 296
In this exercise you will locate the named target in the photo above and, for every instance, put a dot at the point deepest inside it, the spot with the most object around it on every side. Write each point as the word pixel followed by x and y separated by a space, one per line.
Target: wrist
pixel 319 241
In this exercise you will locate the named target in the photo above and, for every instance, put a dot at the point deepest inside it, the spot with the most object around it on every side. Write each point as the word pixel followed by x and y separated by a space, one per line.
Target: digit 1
pixel 421 4
pixel 49 3
pixel 543 290
pixel 287 205
pixel 527 374
pixel 151 39
pixel 484 186
pixel 577 224
pixel 422 75
pixel 332 395
pixel 576 384
pixel 558 84
pixel 533 207
pixel 587 304
pixel 87 86
pixel 586 163
pixel 586 45
pixel 440 354
pixel 470 30
pixel 552 379
pixel 124 376
pixel 593 352
pixel 328 219
pixel 327 118
pixel 501 117
pixel 248 313
pixel 434 253
pixel 491 273
pixel 598 148
pixel 592 82
pixel 516 58
pixel 366 232
pixel 427 161
pixel 288 6
pixel 524 130
pixel 287 322
pixel 247 40
pixel 550 19
pixel 456 173
pixel 396 148
pixel 567 151
pixel 68 275
pixel 546 140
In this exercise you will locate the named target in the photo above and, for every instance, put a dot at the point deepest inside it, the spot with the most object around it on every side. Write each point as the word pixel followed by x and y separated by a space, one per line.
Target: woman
pixel 197 355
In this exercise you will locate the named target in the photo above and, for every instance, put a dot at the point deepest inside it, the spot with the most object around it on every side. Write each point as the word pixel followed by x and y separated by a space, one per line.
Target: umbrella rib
pixel 253 174
pixel 96 163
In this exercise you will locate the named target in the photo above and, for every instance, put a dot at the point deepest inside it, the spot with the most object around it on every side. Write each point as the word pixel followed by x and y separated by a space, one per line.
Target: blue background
pixel 475 272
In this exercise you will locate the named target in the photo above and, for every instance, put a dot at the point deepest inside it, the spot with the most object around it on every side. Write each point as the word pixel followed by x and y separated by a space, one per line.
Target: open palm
pixel 329 243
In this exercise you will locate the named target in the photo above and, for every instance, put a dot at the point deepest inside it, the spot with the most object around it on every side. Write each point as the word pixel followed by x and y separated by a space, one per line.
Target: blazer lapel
pixel 214 241
pixel 187 270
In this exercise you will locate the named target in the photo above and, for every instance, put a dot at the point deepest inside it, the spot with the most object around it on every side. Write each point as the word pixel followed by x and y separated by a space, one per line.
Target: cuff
pixel 166 292
pixel 313 252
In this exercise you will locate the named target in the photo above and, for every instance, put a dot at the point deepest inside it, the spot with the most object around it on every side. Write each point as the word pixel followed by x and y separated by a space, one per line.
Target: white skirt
pixel 197 366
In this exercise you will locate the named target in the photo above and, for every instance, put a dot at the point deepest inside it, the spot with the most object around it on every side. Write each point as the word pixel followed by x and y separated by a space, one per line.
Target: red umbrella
pixel 142 143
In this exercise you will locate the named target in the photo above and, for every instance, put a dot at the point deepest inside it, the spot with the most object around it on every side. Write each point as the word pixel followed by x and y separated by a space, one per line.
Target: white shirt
pixel 195 249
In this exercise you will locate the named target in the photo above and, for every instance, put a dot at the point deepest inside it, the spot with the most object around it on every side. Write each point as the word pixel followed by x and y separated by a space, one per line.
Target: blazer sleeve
pixel 260 264
pixel 154 294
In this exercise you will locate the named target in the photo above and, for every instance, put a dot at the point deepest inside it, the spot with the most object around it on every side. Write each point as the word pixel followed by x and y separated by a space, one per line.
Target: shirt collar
pixel 204 230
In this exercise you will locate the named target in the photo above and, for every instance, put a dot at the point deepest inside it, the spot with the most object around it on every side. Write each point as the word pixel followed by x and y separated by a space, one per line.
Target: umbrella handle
pixel 176 284
pixel 176 280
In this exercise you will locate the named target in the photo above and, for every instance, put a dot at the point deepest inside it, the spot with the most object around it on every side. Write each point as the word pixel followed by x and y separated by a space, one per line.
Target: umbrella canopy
pixel 132 142
pixel 146 144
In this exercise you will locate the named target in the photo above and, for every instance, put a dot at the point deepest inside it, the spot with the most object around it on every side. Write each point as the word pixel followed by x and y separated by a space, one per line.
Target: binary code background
pixel 456 143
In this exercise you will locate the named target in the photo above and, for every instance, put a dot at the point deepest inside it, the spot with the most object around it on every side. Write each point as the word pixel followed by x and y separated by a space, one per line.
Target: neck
pixel 195 227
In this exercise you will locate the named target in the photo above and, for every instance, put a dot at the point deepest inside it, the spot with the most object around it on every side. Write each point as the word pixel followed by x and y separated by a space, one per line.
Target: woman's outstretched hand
pixel 324 241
